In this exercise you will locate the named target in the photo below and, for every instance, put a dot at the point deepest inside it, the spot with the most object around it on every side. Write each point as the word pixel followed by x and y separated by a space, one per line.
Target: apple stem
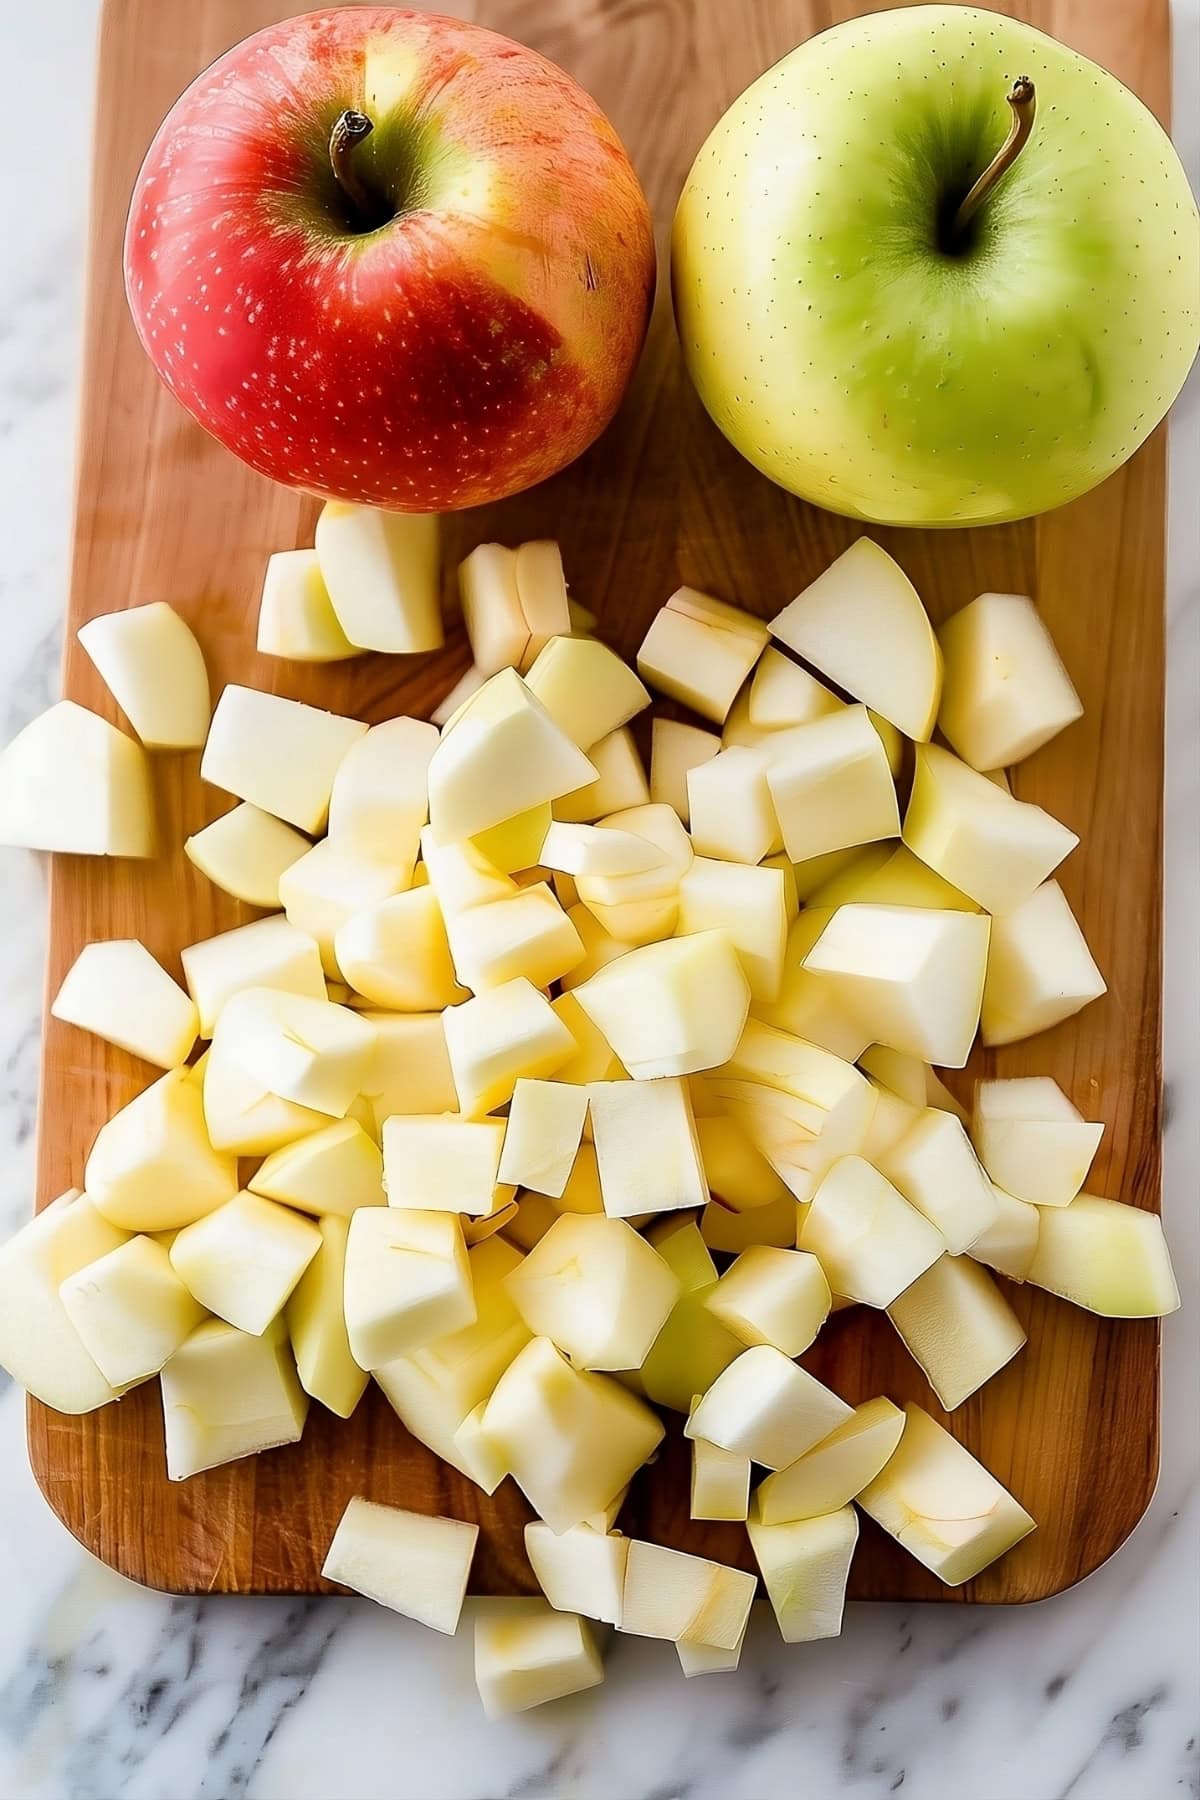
pixel 1022 98
pixel 349 129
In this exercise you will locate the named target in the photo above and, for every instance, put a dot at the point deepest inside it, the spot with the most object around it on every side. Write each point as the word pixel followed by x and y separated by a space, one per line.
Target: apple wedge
pixel 39 1346
pixel 977 837
pixel 805 1565
pixel 382 572
pixel 502 755
pixel 1010 1242
pixel 958 1326
pixel 1006 692
pixel 279 754
pixel 117 990
pixel 700 650
pixel 227 1394
pixel 669 1594
pixel 378 804
pixel 765 1407
pixel 836 1470
pixel 152 1167
pixel 543 1134
pixel 619 781
pixel 784 694
pixel 500 1037
pixel 152 665
pixel 70 781
pixel 396 954
pixel 587 689
pixel 245 852
pixel 720 1482
pixel 310 1052
pixel 414 1564
pixel 1110 1258
pixel 332 883
pixel 542 591
pixel 497 629
pixel 1039 969
pixel 296 620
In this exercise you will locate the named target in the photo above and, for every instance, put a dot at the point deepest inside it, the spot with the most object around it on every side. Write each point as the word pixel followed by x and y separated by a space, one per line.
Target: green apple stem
pixel 1022 98
pixel 349 130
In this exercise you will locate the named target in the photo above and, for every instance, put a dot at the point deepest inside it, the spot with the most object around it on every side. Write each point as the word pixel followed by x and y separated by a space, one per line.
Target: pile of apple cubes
pixel 602 1028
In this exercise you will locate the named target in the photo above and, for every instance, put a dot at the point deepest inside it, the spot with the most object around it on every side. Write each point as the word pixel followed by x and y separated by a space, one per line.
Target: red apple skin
pixel 468 348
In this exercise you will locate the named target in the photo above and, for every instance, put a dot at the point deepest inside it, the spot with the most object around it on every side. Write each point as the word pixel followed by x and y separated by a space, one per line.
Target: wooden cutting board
pixel 163 513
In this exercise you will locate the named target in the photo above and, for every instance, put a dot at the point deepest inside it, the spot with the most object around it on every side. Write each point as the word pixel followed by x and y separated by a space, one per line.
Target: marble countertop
pixel 107 1690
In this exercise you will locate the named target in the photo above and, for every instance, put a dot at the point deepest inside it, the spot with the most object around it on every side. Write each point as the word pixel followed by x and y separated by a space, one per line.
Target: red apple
pixel 392 258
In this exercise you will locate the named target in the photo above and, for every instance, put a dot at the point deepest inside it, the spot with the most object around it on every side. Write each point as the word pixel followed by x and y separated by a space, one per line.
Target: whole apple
pixel 392 258
pixel 875 345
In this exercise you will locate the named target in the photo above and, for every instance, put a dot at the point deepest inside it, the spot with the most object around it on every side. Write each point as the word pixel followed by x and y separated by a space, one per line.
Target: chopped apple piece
pixel 311 1052
pixel 243 1260
pixel 834 1104
pixel 268 953
pixel 501 1035
pixel 468 683
pixel 942 1505
pixel 593 1058
pixel 414 1564
pixel 682 1598
pixel 410 1069
pixel 720 1482
pixel 151 664
pixel 1039 970
pixel 731 808
pixel 515 845
pixel 1006 692
pixel 526 1654
pixel 832 787
pixel 461 875
pixel 765 1407
pixel 331 883
pixel 396 954
pixel 1031 1140
pixel 777 1297
pixel 443 1164
pixel 700 650
pixel 835 1471
pixel 117 990
pixel 1105 1256
pixel 1010 1241
pixel 676 749
pixel 497 629
pixel 572 1438
pixel 526 936
pixel 862 624
pixel 466 1364
pixel 279 754
pixel 671 1008
pixel 245 852
pixel 542 1137
pixel 152 1167
pixel 378 805
pixel 130 1309
pixel 890 875
pixel 619 781
pixel 805 1564
pixel 580 1571
pixel 910 1079
pixel 586 688
pixel 435 1418
pixel 810 1005
pixel 503 755
pixel 596 1289
pixel 241 1115
pixel 749 904
pixel 870 1242
pixel 958 1326
pixel 783 694
pixel 228 1394
pixel 706 1659
pixel 408 1282
pixel 589 850
pixel 973 834
pixel 937 1171
pixel 914 977
pixel 646 1147
pixel 891 1120
pixel 738 1174
pixel 382 573
pixel 693 1346
pixel 732 1232
pixel 39 1346
pixel 542 591
pixel 71 781
pixel 316 1322
pixel 480 1458
pixel 296 619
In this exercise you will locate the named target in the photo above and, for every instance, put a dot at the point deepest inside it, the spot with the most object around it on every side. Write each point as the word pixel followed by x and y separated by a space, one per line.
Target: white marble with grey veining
pixel 110 1691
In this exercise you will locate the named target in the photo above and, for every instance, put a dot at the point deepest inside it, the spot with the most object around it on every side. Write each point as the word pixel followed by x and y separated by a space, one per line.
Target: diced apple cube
pixel 410 1069
pixel 542 591
pixel 995 848
pixel 1039 969
pixel 1006 692
pixel 593 1058
pixel 414 1564
pixel 1031 1140
pixel 700 650
pixel 731 808
pixel 501 1035
pixel 502 755
pixel 831 1474
pixel 526 1654
pixel 443 1164
pixel 676 749
pixel 296 619
pixel 720 1482
pixel 408 1282
pixel 748 903
pixel 833 787
pixel 810 1005
pixel 227 1394
pixel 1010 1241
pixel 316 1323
pixel 778 1297
pixel 671 1595
pixel 870 1242
pixel 152 1166
pixel 586 688
pixel 542 1137
pixel 693 1346
pixel 596 1289
pixel 311 1052
pixel 70 781
pixel 526 936
pixel 379 801
pixel 936 1170
pixel 243 1260
pixel 279 754
pixel 646 1147
pixel 330 884
pixel 39 1346
pixel 497 629
pixel 397 955
pixel 117 990
pixel 241 1115
pixel 245 852
pixel 267 953
pixel 1105 1256
pixel 782 694
pixel 805 1565
pixel 671 1008
pixel 619 781
pixel 767 1408
pixel 152 665
pixel 383 576
pixel 580 1571
pixel 958 1326
pixel 130 1309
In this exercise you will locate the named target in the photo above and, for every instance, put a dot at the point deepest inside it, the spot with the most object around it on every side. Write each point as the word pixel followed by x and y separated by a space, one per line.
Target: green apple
pixel 865 347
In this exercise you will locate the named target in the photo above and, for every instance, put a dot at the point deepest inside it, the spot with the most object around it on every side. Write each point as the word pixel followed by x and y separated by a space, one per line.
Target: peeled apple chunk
pixel 588 850
pixel 443 1164
pixel 542 591
pixel 1105 1256
pixel 884 875
pixel 39 1346
pixel 461 875
pixel 783 694
pixel 245 852
pixel 503 755
pixel 332 883
pixel 832 787
pixel 117 990
pixel 805 1565
pixel 227 1394
pixel 720 1482
pixel 267 953
pixel 497 629
pixel 973 834
pixel 809 1005
pixel 593 1058
pixel 751 905
pixel 862 624
pixel 646 1147
pixel 382 573
pixel 579 1571
pixel 334 1170
pixel 777 1297
pixel 596 1289
pixel 311 1052
pixel 241 1116
pixel 705 1659
pixel 571 1438
pixel 526 1654
pixel 1039 969
pixel 279 754
pixel 676 749
pixel 316 1323
pixel 870 1242
pixel 588 690
pixel 296 619
pixel 414 1564
pixel 669 1594
pixel 243 1260
pixel 671 1008
pixel 515 845
pixel 528 935
pixel 409 1071
pixel 619 781
pixel 408 1281
pixel 1010 1241
pixel 1006 692
pixel 731 808
pixel 151 664
pixel 466 1364
pixel 937 1171
pixel 912 976
pixel 693 1346
pixel 495 1039
pixel 700 650
pixel 910 1079
pixel 738 1174
pixel 378 804
pixel 958 1326
pixel 395 953
pixel 1032 1141
pixel 835 1471
pixel 131 1310
pixel 767 1408
pixel 943 1506
pixel 152 1167
pixel 71 781
pixel 542 1137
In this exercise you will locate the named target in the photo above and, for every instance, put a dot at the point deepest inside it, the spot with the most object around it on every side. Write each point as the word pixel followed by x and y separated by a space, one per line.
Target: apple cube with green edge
pixel 315 1316
pixel 913 976
pixel 227 1394
pixel 693 1346
pixel 1006 691
pixel 330 884
pixel 588 690
pixel 118 990
pixel 279 754
pixel 835 1471
pixel 937 1171
pixel 241 1116
pixel 296 620
pixel 243 1260
pixel 910 1079
pixel 596 1289
pixel 152 665
pixel 396 954
pixel 593 1058
pixel 646 1147
pixel 1032 1141
pixel 1025 392
pixel 382 575
pixel 751 905
pixel 70 781
pixel 732 1232
pixel 379 803
pixel 588 850
pixel 1010 1242
pixel 700 650
pixel 461 875
pixel 39 1346
pixel 1039 969
pixel 782 693
pixel 706 1659
pixel 266 953
pixel 958 1326
pixel 580 1570
pixel 245 852
pixel 410 1066
pixel 890 875
pixel 130 1309
pixel 670 1594
pixel 738 1175
pixel 730 806
pixel 1105 1256
pixel 809 1004
pixel 310 1052
pixel 675 750
pixel 973 834
pixel 571 1438
pixel 720 1487
pixel 765 1407
pixel 503 754
pixel 415 1564
pixel 620 781
pixel 942 1505
pixel 497 1038
pixel 670 1008
pixel 527 1654
pixel 514 845
pixel 527 935
pixel 805 1565
pixel 871 1243
pixel 444 1164
pixel 497 629
pixel 777 1297
pixel 408 1282
pixel 152 1167
pixel 542 589
pixel 543 1134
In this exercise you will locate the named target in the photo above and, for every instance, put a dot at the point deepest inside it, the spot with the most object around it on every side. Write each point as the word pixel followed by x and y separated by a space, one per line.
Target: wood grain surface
pixel 164 513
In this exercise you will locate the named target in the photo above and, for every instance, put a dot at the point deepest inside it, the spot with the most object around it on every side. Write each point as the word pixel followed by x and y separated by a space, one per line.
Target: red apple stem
pixel 349 130
pixel 1022 98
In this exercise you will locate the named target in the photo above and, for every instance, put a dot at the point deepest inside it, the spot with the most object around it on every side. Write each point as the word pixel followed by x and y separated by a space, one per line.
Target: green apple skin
pixel 861 365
